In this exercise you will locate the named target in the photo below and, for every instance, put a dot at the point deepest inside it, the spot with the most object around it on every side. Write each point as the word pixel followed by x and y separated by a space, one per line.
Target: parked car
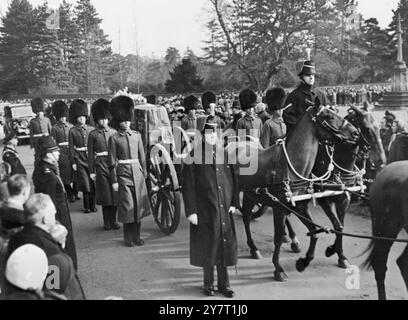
pixel 18 118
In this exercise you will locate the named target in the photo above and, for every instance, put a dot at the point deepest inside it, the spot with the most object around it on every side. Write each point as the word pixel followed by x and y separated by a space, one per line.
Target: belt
pixel 81 149
pixel 130 161
pixel 101 154
pixel 63 144
pixel 40 135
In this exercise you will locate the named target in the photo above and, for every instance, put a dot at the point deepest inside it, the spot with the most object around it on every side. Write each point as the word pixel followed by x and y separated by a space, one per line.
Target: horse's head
pixel 330 126
pixel 370 137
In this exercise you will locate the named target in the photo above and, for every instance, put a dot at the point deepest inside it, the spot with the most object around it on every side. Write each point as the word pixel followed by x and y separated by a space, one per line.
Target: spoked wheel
pixel 258 211
pixel 164 193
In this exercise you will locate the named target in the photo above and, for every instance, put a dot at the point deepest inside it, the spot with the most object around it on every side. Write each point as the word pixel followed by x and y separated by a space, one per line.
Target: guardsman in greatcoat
pixel 127 164
pixel 209 103
pixel 189 122
pixel 304 96
pixel 40 125
pixel 60 133
pixel 211 194
pixel 249 125
pixel 78 151
pixel 47 181
pixel 98 163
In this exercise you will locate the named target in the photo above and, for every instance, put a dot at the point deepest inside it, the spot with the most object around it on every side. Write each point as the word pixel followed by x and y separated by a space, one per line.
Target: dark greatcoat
pixel 39 126
pixel 60 132
pixel 11 157
pixel 209 190
pixel 297 98
pixel 250 126
pixel 47 181
pixel 133 200
pixel 272 130
pixel 98 143
pixel 78 138
pixel 189 123
pixel 34 235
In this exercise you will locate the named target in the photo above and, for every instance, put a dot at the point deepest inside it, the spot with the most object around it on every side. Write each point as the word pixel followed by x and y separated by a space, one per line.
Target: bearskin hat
pixel 121 109
pixel 37 105
pixel 60 109
pixel 100 110
pixel 78 108
pixel 191 103
pixel 208 98
pixel 247 99
pixel 275 98
pixel 151 99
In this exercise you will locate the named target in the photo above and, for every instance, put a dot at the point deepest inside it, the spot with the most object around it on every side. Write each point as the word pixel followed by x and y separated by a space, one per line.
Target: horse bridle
pixel 328 127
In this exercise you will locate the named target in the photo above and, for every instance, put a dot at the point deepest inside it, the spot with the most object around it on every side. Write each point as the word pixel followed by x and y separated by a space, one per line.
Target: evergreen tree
pixel 172 58
pixel 184 78
pixel 17 51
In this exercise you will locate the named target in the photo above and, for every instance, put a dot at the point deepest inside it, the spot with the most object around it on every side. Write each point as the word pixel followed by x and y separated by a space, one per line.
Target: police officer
pixel 40 125
pixel 304 95
pixel 11 157
pixel 189 122
pixel 249 125
pixel 211 194
pixel 127 164
pixel 47 181
pixel 78 151
pixel 98 163
pixel 60 133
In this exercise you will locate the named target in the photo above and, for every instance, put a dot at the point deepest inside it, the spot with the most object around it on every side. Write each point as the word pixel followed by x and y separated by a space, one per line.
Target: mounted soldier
pixel 60 133
pixel 304 95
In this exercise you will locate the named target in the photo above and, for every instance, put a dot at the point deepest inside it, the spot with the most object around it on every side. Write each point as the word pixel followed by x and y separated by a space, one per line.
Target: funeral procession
pixel 210 150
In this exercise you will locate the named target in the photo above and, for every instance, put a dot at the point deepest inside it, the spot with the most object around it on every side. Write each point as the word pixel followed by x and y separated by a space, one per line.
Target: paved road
pixel 161 270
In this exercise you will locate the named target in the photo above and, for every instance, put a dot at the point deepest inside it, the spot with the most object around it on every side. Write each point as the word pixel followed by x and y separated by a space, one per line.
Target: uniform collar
pixel 123 133
pixel 102 129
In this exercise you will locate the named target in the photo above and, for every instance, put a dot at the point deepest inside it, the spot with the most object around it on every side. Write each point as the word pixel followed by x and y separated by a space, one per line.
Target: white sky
pixel 178 23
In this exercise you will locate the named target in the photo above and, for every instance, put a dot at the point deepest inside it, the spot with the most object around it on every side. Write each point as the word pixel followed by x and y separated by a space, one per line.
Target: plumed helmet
pixel 306 67
pixel 191 103
pixel 152 99
pixel 60 109
pixel 78 108
pixel 208 98
pixel 37 105
pixel 100 110
pixel 45 145
pixel 206 123
pixel 275 98
pixel 122 110
pixel 248 99
pixel 27 267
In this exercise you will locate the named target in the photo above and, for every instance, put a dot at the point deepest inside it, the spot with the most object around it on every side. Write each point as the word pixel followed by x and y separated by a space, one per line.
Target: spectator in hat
pixel 211 194
pixel 43 230
pixel 11 157
pixel 47 181
pixel 26 272
pixel 40 125
pixel 249 125
pixel 189 122
pixel 304 96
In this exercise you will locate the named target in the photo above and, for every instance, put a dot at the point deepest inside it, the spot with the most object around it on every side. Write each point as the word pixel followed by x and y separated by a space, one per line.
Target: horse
pixel 399 148
pixel 318 124
pixel 389 215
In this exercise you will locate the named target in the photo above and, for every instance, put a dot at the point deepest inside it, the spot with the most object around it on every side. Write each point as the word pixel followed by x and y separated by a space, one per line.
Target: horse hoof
pixel 344 264
pixel 286 239
pixel 256 255
pixel 280 276
pixel 301 265
pixel 330 251
pixel 295 247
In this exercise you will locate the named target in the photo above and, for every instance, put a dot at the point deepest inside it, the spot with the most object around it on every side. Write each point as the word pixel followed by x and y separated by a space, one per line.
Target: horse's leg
pixel 247 206
pixel 379 262
pixel 279 217
pixel 302 263
pixel 295 242
pixel 342 203
pixel 402 262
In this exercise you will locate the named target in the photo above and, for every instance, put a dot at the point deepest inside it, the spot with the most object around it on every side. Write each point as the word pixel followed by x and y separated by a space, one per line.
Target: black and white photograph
pixel 215 152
